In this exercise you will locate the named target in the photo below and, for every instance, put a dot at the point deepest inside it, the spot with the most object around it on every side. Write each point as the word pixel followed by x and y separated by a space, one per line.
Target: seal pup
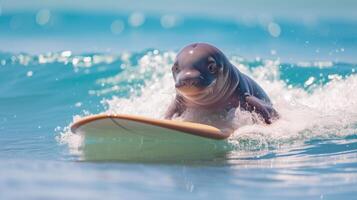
pixel 205 79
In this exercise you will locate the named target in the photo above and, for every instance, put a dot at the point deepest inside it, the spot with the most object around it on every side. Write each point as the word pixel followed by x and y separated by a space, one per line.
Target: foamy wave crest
pixel 156 91
pixel 327 111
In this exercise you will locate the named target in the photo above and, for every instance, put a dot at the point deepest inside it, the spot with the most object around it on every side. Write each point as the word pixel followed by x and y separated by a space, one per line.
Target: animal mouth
pixel 189 89
pixel 195 89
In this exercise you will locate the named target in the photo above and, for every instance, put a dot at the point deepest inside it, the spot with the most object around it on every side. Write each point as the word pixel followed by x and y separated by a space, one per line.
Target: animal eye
pixel 212 68
pixel 175 68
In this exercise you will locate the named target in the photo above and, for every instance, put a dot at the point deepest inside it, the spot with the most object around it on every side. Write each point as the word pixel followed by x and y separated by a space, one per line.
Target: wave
pixel 315 100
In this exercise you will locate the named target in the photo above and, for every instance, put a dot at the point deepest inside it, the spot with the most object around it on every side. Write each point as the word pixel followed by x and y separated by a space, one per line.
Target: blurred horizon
pixel 290 30
pixel 246 9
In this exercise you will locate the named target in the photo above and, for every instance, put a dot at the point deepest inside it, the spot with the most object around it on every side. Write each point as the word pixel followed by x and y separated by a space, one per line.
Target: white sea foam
pixel 327 111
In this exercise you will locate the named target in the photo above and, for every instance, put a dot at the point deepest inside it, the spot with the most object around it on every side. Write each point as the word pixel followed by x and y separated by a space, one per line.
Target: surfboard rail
pixel 197 129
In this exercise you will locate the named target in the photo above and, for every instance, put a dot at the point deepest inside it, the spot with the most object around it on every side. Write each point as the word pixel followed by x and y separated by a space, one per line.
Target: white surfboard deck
pixel 137 138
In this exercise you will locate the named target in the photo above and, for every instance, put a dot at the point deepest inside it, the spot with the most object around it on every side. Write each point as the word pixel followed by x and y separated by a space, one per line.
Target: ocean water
pixel 56 67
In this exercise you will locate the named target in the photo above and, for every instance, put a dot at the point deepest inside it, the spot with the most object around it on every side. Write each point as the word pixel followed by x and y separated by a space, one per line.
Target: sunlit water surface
pixel 310 153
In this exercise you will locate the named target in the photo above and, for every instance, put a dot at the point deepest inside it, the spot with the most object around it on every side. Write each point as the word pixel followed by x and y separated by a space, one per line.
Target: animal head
pixel 201 71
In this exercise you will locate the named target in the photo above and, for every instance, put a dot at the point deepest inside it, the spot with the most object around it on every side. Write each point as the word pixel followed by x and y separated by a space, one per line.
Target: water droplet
pixel 75 61
pixel 58 128
pixel 274 29
pixel 117 26
pixel 309 81
pixel 66 53
pixel 136 19
pixel 168 21
pixel 43 17
pixel 29 73
pixel 87 59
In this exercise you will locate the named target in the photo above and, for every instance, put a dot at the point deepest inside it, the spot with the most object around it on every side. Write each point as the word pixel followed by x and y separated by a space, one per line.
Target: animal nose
pixel 187 82
pixel 188 78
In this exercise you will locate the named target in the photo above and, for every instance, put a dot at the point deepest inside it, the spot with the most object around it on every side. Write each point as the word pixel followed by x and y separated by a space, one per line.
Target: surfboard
pixel 137 138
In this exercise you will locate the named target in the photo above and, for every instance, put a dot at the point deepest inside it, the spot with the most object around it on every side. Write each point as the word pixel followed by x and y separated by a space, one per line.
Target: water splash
pixel 327 110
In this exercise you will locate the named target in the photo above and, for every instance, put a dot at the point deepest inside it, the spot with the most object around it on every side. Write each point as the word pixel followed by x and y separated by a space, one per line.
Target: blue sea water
pixel 54 70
